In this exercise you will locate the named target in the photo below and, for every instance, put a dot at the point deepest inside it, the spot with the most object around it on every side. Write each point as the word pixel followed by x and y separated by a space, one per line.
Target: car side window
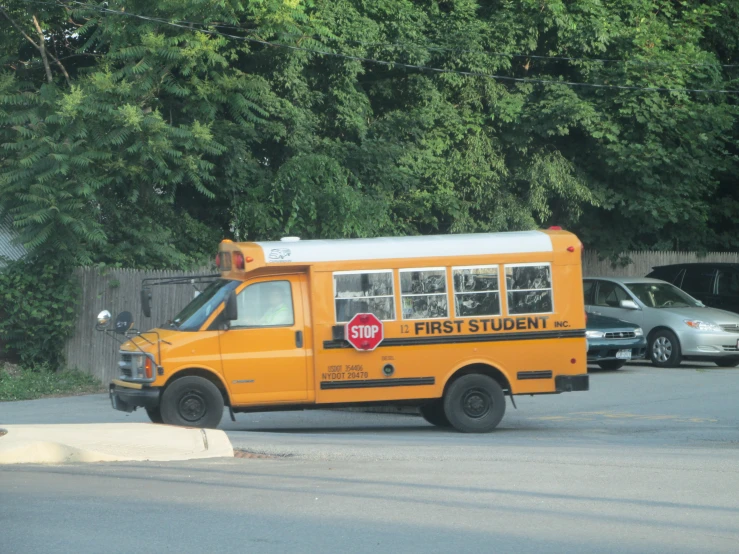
pixel 588 287
pixel 728 282
pixel 610 295
pixel 698 280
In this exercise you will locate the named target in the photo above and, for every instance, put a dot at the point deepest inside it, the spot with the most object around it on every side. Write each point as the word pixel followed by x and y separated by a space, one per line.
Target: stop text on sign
pixel 364 332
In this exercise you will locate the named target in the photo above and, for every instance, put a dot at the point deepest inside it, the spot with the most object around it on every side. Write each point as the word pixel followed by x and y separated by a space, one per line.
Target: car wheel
pixel 155 414
pixel 192 402
pixel 474 404
pixel 727 363
pixel 612 364
pixel 664 349
pixel 434 414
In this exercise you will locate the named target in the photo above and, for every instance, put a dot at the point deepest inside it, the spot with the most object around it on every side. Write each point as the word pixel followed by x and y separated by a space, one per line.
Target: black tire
pixel 433 412
pixel 612 364
pixel 727 363
pixel 474 404
pixel 664 349
pixel 155 415
pixel 192 402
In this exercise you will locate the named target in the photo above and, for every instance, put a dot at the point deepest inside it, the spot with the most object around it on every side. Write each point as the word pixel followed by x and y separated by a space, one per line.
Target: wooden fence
pixel 118 290
pixel 642 262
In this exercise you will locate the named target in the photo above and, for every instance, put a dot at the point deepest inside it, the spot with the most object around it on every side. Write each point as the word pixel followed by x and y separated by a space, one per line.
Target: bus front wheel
pixel 192 402
pixel 155 415
pixel 474 403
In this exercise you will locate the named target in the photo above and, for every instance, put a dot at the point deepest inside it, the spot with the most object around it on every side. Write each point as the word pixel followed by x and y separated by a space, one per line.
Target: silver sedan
pixel 678 327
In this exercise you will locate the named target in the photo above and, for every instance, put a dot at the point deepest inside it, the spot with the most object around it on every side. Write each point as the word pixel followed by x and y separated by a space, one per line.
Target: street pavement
pixel 647 461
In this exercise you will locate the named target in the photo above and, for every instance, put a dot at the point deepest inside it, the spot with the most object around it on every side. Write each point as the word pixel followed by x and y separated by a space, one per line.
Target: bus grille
pixel 126 365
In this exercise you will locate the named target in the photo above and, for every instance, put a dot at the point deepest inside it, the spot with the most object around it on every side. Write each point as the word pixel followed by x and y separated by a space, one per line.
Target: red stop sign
pixel 364 332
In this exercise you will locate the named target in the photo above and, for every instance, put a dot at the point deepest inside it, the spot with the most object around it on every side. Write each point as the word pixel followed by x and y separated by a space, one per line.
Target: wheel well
pixel 205 374
pixel 483 369
pixel 661 328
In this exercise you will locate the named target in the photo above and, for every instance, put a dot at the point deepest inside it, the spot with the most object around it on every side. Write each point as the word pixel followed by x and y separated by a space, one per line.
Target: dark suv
pixel 714 284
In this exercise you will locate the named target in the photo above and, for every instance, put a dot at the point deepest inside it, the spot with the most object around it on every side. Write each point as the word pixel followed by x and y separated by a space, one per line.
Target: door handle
pixel 299 339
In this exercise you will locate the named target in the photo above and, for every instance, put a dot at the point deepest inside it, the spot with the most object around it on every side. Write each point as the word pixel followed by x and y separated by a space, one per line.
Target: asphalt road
pixel 647 461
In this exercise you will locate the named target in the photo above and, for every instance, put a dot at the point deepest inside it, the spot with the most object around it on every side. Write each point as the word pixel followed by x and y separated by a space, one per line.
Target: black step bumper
pixel 571 383
pixel 127 399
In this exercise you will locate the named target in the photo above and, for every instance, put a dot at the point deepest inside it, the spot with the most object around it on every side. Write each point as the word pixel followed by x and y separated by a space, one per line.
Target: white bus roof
pixel 312 251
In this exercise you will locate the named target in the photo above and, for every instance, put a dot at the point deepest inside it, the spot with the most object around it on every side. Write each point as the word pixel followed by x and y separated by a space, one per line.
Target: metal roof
pixel 8 247
pixel 295 250
pixel 627 280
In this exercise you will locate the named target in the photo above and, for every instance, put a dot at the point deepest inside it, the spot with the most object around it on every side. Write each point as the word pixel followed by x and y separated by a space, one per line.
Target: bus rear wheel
pixel 433 412
pixel 192 402
pixel 474 404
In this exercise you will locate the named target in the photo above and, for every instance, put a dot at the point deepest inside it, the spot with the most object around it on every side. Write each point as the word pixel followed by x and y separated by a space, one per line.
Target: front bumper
pixel 572 383
pixel 709 344
pixel 606 349
pixel 127 399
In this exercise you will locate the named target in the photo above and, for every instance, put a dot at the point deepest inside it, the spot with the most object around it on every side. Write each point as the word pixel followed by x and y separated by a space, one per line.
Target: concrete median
pixel 109 442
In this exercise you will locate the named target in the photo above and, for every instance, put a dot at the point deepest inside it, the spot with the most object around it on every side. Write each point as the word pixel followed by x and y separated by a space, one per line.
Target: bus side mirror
pixel 231 310
pixel 629 305
pixel 103 319
pixel 146 302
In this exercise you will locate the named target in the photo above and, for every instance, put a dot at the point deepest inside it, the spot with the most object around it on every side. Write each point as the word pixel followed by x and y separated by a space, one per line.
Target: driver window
pixel 266 304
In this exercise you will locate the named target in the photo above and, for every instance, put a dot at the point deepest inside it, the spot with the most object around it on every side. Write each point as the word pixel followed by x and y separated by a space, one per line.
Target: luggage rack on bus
pixel 149 282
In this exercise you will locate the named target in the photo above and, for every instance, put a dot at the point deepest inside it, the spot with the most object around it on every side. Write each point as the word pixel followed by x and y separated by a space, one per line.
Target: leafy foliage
pixel 37 307
pixel 141 141
pixel 38 383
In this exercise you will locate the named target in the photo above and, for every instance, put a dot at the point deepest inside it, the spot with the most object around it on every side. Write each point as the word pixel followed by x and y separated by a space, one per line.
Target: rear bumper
pixel 572 383
pixel 128 399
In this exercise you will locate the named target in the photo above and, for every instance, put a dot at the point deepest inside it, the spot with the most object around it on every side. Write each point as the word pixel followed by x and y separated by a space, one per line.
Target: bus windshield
pixel 662 295
pixel 192 317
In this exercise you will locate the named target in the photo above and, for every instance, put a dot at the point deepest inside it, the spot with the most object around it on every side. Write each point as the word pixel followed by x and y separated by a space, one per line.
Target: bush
pixel 40 382
pixel 37 311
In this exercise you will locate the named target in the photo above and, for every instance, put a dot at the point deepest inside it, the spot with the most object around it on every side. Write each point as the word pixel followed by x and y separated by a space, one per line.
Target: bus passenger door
pixel 264 352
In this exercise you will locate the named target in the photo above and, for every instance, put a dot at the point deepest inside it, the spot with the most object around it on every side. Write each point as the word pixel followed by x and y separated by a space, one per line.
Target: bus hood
pixel 147 340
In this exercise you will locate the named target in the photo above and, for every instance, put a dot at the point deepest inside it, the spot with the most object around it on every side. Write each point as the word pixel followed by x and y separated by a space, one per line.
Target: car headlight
pixel 595 334
pixel 639 332
pixel 702 325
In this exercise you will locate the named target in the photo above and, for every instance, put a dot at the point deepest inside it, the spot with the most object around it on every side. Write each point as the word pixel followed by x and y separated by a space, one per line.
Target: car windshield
pixel 662 295
pixel 192 317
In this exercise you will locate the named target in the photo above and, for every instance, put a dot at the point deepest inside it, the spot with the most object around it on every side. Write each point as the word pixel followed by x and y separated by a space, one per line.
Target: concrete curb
pixel 109 442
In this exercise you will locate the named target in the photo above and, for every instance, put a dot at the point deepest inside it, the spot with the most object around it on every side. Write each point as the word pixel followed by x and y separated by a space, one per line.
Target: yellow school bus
pixel 451 324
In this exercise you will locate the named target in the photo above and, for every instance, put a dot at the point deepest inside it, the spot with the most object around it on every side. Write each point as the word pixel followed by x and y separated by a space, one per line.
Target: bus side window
pixel 476 291
pixel 357 292
pixel 423 293
pixel 531 288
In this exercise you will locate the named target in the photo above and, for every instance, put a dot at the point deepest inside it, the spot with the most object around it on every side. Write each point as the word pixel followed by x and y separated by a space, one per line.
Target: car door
pixel 263 354
pixel 727 288
pixel 607 302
